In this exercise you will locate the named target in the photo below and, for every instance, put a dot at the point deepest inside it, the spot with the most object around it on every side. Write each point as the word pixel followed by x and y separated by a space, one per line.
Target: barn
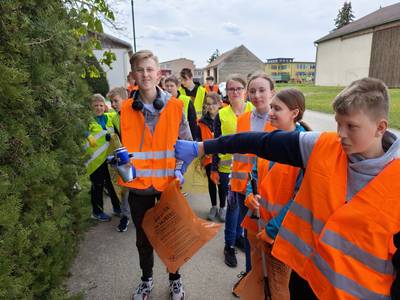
pixel 369 46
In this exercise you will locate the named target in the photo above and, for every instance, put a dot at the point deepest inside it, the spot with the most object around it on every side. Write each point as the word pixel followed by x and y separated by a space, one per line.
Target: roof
pixel 115 40
pixel 182 58
pixel 222 57
pixel 381 16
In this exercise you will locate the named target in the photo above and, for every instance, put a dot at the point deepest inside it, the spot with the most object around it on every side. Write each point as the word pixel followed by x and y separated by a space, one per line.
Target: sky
pixel 194 29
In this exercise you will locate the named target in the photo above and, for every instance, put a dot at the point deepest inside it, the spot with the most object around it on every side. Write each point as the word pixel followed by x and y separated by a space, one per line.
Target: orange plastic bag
pixel 252 286
pixel 173 229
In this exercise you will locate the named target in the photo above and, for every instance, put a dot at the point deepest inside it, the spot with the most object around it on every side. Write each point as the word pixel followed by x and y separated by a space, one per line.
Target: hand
pixel 214 176
pixel 252 202
pixel 108 137
pixel 92 141
pixel 179 176
pixel 186 151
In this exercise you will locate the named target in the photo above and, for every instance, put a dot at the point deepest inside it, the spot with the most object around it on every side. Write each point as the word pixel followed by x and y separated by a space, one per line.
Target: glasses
pixel 238 89
pixel 210 104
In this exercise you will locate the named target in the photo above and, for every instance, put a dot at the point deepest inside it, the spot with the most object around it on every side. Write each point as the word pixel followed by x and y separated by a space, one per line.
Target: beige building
pixel 368 46
pixel 238 60
pixel 174 67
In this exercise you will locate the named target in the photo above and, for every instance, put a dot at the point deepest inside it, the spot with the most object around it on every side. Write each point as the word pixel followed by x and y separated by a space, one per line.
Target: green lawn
pixel 319 98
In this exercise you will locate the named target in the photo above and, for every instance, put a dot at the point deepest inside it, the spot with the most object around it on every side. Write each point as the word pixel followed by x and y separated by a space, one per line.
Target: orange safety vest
pixel 276 187
pixel 206 134
pixel 132 88
pixel 343 249
pixel 154 160
pixel 214 89
pixel 242 164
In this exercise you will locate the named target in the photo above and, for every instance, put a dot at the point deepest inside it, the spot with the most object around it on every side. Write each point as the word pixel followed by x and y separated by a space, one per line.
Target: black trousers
pixel 101 179
pixel 300 289
pixel 139 204
pixel 212 188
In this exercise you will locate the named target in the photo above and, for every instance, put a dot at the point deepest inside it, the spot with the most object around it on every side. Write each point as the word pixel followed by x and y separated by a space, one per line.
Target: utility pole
pixel 133 27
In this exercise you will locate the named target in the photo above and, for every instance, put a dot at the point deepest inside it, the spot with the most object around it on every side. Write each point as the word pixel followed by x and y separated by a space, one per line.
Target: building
pixel 174 67
pixel 239 60
pixel 120 68
pixel 198 75
pixel 368 46
pixel 285 69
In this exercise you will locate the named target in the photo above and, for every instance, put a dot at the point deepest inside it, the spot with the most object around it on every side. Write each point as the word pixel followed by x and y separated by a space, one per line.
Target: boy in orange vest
pixel 151 122
pixel 341 233
pixel 210 86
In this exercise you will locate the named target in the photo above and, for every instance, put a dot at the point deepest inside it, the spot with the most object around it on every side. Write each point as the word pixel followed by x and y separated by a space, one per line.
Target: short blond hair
pixel 141 55
pixel 118 91
pixel 97 97
pixel 367 94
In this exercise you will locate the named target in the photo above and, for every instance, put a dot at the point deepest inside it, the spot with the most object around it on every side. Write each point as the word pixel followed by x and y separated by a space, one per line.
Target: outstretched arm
pixel 279 146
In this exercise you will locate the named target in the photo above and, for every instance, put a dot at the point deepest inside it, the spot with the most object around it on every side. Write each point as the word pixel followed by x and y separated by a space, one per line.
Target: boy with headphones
pixel 151 123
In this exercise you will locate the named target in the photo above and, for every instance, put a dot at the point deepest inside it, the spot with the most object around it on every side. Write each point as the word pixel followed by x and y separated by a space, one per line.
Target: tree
pixel 44 113
pixel 345 15
pixel 98 83
pixel 213 56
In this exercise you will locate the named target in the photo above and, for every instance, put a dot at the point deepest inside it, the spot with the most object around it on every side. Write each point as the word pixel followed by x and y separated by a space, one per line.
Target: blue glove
pixel 108 137
pixel 178 174
pixel 186 151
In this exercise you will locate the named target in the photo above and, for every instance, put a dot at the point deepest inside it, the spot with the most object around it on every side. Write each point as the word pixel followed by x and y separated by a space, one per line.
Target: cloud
pixel 167 34
pixel 231 28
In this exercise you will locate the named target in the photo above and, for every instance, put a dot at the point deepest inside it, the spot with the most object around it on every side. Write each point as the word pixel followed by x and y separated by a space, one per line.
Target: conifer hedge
pixel 43 117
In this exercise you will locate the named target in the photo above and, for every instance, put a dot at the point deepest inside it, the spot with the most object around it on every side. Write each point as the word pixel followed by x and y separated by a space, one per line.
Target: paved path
pixel 107 265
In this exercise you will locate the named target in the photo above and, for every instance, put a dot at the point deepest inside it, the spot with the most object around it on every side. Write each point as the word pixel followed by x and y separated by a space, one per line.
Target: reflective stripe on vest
pixel 244 158
pixel 154 154
pixel 96 136
pixel 97 153
pixel 244 163
pixel 155 173
pixel 341 248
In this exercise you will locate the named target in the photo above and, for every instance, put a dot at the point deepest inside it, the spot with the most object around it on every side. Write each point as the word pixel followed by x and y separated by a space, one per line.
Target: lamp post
pixel 133 27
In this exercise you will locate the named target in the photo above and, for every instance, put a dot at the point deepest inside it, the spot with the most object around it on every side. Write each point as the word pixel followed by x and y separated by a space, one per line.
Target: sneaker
pixel 117 212
pixel 176 291
pixel 222 214
pixel 240 276
pixel 142 292
pixel 123 224
pixel 212 216
pixel 230 257
pixel 101 217
pixel 240 243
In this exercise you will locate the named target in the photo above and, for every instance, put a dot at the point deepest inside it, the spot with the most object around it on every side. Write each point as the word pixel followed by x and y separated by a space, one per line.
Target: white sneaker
pixel 176 291
pixel 142 292
pixel 212 215
pixel 222 214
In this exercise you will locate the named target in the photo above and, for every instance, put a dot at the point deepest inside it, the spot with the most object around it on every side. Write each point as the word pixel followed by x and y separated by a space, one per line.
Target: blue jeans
pixel 235 214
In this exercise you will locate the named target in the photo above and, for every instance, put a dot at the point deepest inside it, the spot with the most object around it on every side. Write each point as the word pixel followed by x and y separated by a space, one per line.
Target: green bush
pixel 43 112
pixel 99 84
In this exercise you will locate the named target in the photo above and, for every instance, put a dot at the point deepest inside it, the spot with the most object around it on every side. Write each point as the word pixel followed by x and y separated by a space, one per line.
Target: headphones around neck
pixel 137 104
